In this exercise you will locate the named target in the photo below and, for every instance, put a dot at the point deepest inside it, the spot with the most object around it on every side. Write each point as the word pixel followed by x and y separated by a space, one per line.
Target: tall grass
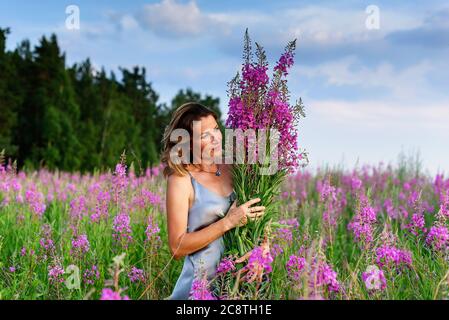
pixel 26 275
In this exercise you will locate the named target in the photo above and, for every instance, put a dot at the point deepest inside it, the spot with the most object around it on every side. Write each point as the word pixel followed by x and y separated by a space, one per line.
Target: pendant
pixel 218 173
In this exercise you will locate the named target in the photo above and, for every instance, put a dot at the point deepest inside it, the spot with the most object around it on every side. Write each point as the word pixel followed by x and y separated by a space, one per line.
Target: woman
pixel 200 198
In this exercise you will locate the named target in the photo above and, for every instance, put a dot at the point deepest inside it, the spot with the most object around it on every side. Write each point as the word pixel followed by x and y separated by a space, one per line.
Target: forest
pixel 76 118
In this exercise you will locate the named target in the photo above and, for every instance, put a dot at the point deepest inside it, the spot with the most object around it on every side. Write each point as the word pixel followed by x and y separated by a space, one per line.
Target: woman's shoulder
pixel 179 187
pixel 178 179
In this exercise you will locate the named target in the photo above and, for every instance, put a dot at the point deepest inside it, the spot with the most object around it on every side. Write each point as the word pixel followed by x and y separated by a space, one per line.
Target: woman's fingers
pixel 243 220
pixel 243 258
pixel 256 209
pixel 255 212
pixel 251 202
pixel 255 215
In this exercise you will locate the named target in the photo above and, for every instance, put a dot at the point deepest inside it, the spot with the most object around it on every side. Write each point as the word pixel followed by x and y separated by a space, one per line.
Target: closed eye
pixel 207 134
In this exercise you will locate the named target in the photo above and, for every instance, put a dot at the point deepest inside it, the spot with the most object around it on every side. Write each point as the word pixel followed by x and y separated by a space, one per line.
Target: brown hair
pixel 182 118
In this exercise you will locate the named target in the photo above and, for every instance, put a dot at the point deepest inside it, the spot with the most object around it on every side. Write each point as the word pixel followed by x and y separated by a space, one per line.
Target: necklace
pixel 217 173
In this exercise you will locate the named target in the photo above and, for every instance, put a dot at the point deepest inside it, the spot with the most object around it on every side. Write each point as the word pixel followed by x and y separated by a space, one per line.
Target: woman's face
pixel 210 140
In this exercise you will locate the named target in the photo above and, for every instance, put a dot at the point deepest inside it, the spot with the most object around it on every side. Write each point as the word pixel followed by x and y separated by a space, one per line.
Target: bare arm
pixel 182 242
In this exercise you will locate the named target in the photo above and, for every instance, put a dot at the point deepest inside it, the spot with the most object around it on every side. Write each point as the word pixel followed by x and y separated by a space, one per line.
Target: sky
pixel 373 75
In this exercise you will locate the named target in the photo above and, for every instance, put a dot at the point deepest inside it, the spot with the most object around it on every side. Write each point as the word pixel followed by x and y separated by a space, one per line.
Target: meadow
pixel 372 232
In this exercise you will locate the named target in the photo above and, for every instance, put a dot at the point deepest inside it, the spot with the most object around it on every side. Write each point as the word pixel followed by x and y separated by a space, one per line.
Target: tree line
pixel 74 118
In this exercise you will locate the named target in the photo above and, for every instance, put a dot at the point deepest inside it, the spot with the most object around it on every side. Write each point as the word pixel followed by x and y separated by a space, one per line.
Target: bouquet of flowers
pixel 262 107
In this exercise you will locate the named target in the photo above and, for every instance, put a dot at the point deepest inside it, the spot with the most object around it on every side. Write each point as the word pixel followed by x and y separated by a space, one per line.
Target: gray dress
pixel 207 208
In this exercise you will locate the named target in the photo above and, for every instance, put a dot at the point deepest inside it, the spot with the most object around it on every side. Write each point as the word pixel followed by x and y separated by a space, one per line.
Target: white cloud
pixel 128 22
pixel 377 115
pixel 175 19
pixel 403 83
pixel 318 25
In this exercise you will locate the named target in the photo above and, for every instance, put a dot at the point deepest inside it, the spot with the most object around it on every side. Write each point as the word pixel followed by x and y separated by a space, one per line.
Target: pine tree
pixel 9 99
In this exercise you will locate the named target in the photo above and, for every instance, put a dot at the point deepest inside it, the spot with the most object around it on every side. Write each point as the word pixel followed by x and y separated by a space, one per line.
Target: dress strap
pixel 193 181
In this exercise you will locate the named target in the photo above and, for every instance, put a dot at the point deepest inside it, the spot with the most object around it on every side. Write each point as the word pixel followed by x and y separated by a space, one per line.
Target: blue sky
pixel 369 93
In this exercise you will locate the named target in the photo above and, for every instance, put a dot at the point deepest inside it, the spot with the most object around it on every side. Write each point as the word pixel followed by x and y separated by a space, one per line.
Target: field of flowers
pixel 371 233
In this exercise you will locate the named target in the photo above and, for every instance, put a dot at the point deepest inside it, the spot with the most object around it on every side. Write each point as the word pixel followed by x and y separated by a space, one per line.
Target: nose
pixel 216 139
pixel 216 136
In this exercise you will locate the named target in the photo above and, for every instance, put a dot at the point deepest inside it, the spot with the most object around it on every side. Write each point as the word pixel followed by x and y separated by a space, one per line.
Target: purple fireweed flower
pixel 325 190
pixel 413 197
pixel 136 275
pixel 374 279
pixel 441 186
pixel 259 257
pixel 35 200
pixel 444 207
pixel 322 276
pixel 403 212
pixel 285 62
pixel 276 250
pixel 121 229
pixel 225 265
pixel 438 237
pixel 101 207
pixel 145 199
pixel 119 182
pixel 55 274
pixel 16 186
pixel 200 290
pixel 390 209
pixel 295 266
pixel 388 256
pixel 94 188
pixel 91 275
pixel 152 232
pixel 12 269
pixel 333 199
pixel 293 222
pixel 109 294
pixel 283 235
pixel 417 224
pixel 259 262
pixel 23 251
pixel 363 222
pixel 19 198
pixel 151 198
pixel 155 171
pixel 50 197
pixel 282 239
pixel 255 77
pixel 283 120
pixel 239 116
pixel 71 188
pixel 329 278
pixel 80 245
pixel 253 104
pixel 356 183
pixel 46 242
pixel 78 208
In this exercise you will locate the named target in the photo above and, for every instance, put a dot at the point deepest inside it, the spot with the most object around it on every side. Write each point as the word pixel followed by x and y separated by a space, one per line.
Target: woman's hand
pixel 257 270
pixel 238 216
pixel 265 246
